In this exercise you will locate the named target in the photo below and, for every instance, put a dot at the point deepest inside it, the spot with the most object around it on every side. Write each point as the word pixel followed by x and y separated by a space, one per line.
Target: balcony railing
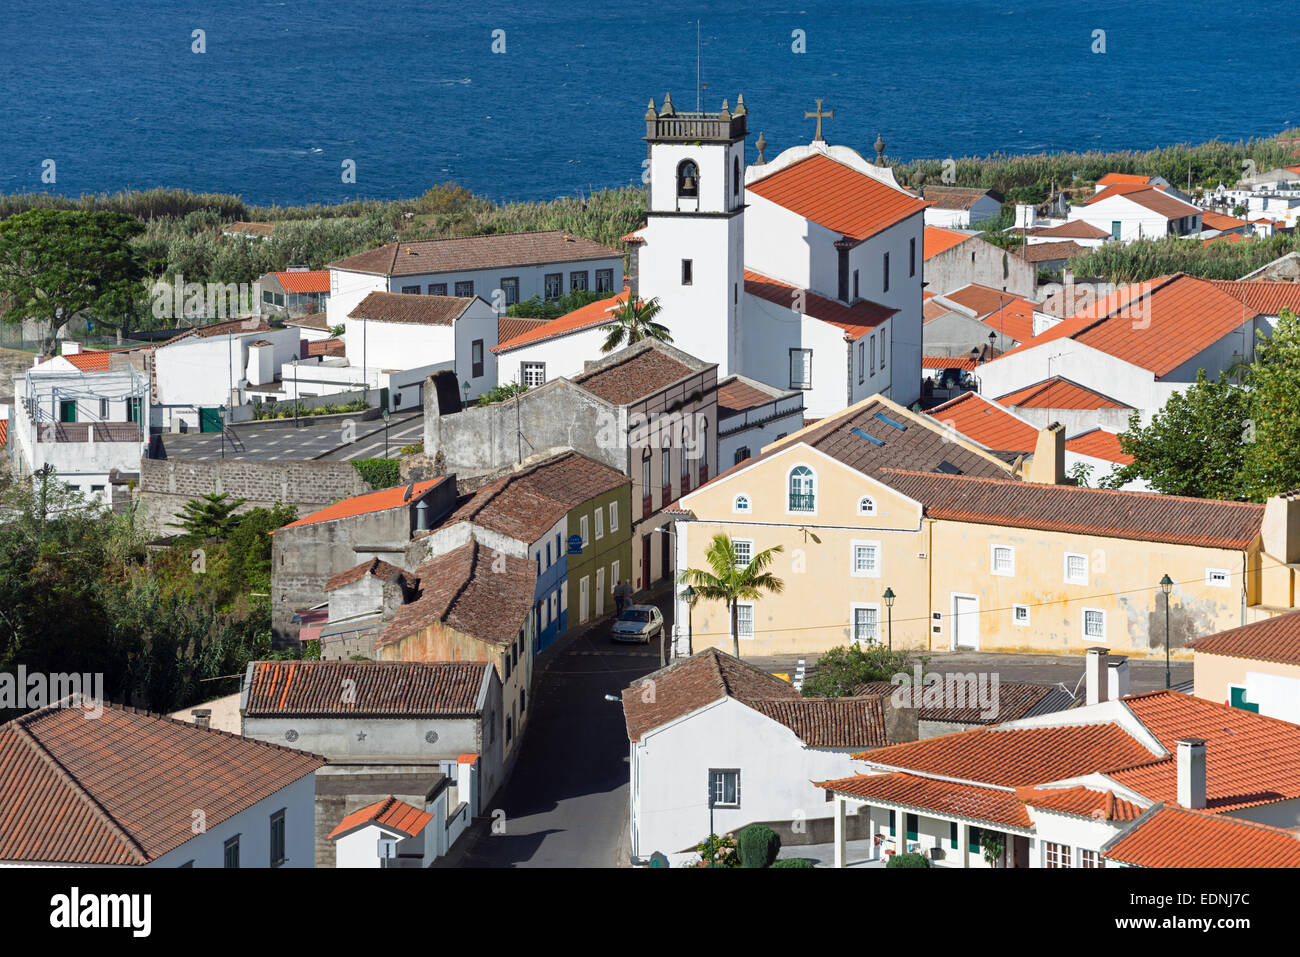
pixel 82 432
pixel 802 503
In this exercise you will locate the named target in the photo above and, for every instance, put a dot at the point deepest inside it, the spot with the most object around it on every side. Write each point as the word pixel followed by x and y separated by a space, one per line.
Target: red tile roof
pixel 1016 699
pixel 511 327
pixel 89 361
pixel 365 504
pixel 857 722
pixel 4 432
pixel 1099 444
pixel 856 320
pixel 1059 393
pixel 1273 639
pixel 987 423
pixel 1050 252
pixel 987 805
pixel 1072 229
pixel 1141 516
pixel 475 252
pixel 325 347
pixel 634 373
pixel 1212 220
pixel 119 790
pixel 1156 325
pixel 1178 837
pixel 411 308
pixel 1081 802
pixel 937 240
pixel 735 395
pixel 380 688
pixel 304 280
pixel 589 316
pixel 947 362
pixel 1261 296
pixel 837 197
pixel 390 813
pixel 1124 179
pixel 250 229
pixel 1155 199
pixel 1227 238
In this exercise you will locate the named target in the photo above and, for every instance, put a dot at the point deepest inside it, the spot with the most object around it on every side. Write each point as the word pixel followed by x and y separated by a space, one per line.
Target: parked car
pixel 638 623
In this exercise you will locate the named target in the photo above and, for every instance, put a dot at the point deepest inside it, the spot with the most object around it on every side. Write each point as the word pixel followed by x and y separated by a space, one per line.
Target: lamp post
pixel 889 608
pixel 689 594
pixel 1166 586
pixel 221 413
pixel 295 390
pixel 464 392
pixel 386 416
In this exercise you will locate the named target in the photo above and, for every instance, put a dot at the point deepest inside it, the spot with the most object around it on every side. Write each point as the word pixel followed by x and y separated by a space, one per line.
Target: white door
pixel 965 621
pixel 600 591
pixel 584 590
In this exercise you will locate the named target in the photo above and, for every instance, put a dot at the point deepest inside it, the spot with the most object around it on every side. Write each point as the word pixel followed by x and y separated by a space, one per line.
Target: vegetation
pixel 535 308
pixel 800 862
pixel 379 473
pixel 633 322
pixel 1148 258
pixel 908 860
pixel 840 671
pixel 290 410
pixel 499 393
pixel 727 581
pixel 718 851
pixel 415 448
pixel 758 846
pixel 211 516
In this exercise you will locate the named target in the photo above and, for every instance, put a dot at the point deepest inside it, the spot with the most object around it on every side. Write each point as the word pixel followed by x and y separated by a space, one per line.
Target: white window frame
pixel 736 543
pixel 813 492
pixel 1065 569
pixel 720 773
pixel 600 592
pixel 599 515
pixel 746 509
pixel 752 624
pixel 526 367
pixel 993 561
pixel 853 622
pixel 866 505
pixel 1227 577
pixel 615 575
pixel 1102 613
pixel 613 517
pixel 583 529
pixel 853 558
pixel 1017 621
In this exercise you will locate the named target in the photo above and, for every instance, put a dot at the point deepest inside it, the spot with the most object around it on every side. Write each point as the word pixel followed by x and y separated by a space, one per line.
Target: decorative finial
pixel 740 104
pixel 880 150
pixel 668 105
pixel 650 113
pixel 762 145
pixel 726 108
pixel 829 114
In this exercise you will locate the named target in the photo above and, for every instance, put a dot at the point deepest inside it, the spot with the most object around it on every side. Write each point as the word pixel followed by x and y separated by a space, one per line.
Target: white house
pixel 960 207
pixel 749 736
pixel 502 268
pixel 752 415
pixel 106 791
pixel 393 833
pixel 558 348
pixel 1132 211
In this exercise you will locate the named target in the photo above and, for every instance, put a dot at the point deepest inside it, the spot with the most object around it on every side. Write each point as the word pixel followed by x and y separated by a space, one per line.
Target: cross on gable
pixel 819 115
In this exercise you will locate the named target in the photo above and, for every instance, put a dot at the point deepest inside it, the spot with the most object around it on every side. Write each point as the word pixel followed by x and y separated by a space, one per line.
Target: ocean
pixel 413 94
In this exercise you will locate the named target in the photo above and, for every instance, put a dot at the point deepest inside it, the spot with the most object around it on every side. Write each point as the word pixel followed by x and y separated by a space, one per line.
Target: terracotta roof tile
pixel 411 308
pixel 325 347
pixel 375 567
pixel 1212 220
pixel 1124 179
pixel 476 252
pixel 837 197
pixel 856 320
pixel 639 373
pixel 735 395
pixel 971 802
pixel 987 423
pixel 245 324
pixel 118 790
pixel 1260 296
pixel 1178 837
pixel 955 197
pixel 937 240
pixel 250 229
pixel 857 722
pixel 379 501
pixel 587 317
pixel 1099 444
pixel 1081 802
pixel 389 813
pixel 948 362
pixel 1003 311
pixel 1073 229
pixel 1049 252
pixel 1058 393
pixel 1015 700
pixel 511 327
pixel 1273 639
pixel 304 280
pixel 382 688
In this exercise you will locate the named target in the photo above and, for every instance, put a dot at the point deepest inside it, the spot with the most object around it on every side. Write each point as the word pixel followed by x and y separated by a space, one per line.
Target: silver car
pixel 638 623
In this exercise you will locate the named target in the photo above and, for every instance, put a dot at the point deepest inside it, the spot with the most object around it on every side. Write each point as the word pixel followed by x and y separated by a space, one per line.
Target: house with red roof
pixel 960 207
pixel 298 291
pixel 1255 667
pixel 1128 779
pixel 954 259
pixel 1143 210
pixel 395 833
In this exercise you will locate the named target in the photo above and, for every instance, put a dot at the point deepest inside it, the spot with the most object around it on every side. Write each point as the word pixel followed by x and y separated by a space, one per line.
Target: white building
pixel 1131 212
pixel 752 415
pixel 393 833
pixel 558 348
pixel 502 268
pixel 960 207
pixel 109 792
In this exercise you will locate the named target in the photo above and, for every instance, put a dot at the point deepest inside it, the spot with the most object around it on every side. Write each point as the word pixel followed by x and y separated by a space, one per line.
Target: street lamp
pixel 889 607
pixel 689 594
pixel 1166 586
pixel 295 390
pixel 221 413
pixel 464 389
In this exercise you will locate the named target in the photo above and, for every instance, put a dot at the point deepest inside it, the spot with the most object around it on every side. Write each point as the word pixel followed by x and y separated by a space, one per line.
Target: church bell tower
pixel 692 251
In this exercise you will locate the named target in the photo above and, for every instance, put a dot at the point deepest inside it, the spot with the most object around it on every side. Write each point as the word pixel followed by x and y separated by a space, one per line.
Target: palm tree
pixel 633 322
pixel 727 581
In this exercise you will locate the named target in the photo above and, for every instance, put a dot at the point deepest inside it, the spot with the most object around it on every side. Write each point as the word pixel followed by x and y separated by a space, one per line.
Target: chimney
pixel 1117 682
pixel 900 723
pixel 1048 464
pixel 1096 682
pixel 202 717
pixel 1281 527
pixel 70 348
pixel 1191 773
pixel 423 516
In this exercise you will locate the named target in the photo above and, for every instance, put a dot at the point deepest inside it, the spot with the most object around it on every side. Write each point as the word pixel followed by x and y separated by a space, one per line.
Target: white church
pixel 803 272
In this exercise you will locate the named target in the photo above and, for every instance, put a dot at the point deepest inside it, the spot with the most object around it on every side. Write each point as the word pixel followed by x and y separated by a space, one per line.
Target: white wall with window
pixel 864 619
pixel 864 559
pixel 1002 560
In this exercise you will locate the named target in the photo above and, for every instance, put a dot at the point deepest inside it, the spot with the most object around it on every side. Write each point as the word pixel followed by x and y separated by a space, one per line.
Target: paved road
pixel 309 441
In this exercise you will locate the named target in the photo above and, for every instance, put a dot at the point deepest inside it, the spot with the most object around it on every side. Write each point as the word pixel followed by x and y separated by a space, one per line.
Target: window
pixel 1218 577
pixel 1056 855
pixel 1020 615
pixel 735 177
pixel 882 348
pixel 866 624
pixel 133 407
pixel 1003 561
pixel 523 701
pixel 553 286
pixel 510 727
pixel 577 280
pixel 873 353
pixel 510 289
pixel 532 373
pixel 645 474
pixel 277 839
pixel 856 295
pixel 1094 623
pixel 465 289
pixel 911 271
pixel 866 560
pixel 891 823
pixel 476 358
pixel 741 504
pixel 861 363
pixel 559 546
pixel 866 505
pixel 103 409
pixel 506 667
pixel 802 485
pixel 615 575
pixel 231 852
pixel 688 180
pixel 1076 569
pixel 268 297
pixel 744 549
pixel 411 290
pixel 726 787
pixel 437 289
pixel 1115 226
pixel 1088 858
pixel 913 825
pixel 952 825
pixel 666 470
pixel 67 411
pixel 604 280
pixel 801 368
pixel 688 270
pixel 613 516
pixel 582 529
pixel 600 523
pixel 973 840
pixel 885 287
pixel 742 453
pixel 744 620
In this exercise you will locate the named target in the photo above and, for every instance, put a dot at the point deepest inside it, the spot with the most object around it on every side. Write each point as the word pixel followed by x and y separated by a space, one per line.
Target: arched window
pixel 742 504
pixel 688 179
pixel 735 177
pixel 802 489
pixel 866 505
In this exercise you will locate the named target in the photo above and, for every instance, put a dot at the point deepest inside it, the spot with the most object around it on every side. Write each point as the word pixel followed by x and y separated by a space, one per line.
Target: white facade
pixel 670 776
pixel 557 357
pixel 986 207
pixel 360 848
pixel 1134 220
pixel 207 372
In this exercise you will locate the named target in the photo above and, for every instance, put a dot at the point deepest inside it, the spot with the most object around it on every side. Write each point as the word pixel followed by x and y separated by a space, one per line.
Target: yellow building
pixel 879 498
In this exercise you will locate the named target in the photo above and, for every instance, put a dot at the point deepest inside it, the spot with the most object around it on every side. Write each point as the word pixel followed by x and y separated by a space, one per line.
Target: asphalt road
pixel 309 441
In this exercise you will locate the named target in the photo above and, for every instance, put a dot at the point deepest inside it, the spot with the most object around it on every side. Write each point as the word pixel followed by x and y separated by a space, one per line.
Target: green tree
pixel 1194 446
pixel 728 581
pixel 841 671
pixel 58 264
pixel 633 322
pixel 1272 458
pixel 211 516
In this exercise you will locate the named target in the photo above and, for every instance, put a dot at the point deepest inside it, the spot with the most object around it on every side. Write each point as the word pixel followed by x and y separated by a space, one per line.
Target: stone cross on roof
pixel 819 115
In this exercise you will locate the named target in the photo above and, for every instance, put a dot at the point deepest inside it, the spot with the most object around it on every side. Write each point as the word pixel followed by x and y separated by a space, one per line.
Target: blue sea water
pixel 413 93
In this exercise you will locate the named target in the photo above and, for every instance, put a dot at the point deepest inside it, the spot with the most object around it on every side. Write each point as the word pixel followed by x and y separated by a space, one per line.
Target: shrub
pixel 758 846
pixel 499 393
pixel 379 473
pixel 721 849
pixel 793 862
pixel 908 860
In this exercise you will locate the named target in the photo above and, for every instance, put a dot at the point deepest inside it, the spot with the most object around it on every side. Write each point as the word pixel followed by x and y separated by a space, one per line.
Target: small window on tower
pixel 688 180
pixel 735 177
pixel 687 272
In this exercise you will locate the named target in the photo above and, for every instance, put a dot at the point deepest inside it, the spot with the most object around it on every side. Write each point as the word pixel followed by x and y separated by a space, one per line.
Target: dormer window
pixel 688 180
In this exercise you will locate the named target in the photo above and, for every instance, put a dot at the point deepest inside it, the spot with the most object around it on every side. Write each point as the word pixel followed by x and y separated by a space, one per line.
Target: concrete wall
pixel 977 260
